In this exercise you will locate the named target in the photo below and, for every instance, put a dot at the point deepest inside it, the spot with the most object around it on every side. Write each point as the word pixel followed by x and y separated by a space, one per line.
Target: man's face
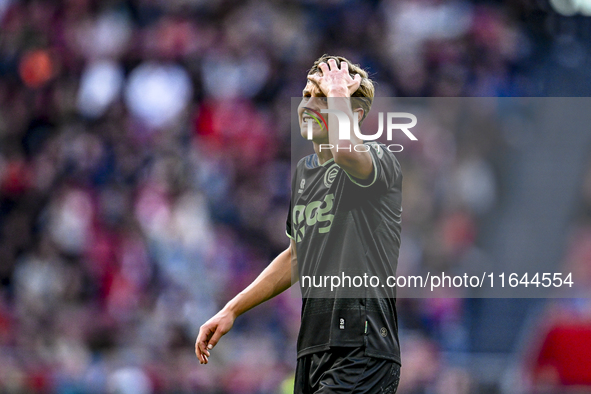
pixel 313 100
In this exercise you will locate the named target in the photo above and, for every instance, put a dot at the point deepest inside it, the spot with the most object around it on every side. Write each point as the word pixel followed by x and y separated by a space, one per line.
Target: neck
pixel 324 155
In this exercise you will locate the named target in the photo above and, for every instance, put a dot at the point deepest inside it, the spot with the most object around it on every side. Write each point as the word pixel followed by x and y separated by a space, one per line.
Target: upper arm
pixel 294 261
pixel 288 224
pixel 292 246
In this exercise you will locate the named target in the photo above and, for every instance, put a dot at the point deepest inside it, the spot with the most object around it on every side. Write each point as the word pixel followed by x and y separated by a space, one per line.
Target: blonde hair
pixel 366 91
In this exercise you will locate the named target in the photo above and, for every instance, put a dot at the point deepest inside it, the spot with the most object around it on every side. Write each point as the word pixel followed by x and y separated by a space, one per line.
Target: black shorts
pixel 345 370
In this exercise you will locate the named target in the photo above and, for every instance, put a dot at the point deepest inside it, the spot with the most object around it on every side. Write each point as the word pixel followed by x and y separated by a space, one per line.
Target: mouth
pixel 308 115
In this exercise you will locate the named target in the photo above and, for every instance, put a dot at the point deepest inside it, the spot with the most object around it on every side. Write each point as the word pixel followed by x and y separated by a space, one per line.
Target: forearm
pixel 338 101
pixel 356 162
pixel 274 279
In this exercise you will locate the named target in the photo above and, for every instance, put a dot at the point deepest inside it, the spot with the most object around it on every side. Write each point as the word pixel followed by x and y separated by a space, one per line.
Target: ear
pixel 360 111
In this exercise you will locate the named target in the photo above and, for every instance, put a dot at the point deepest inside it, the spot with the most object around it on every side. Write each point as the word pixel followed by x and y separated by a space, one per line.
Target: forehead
pixel 311 88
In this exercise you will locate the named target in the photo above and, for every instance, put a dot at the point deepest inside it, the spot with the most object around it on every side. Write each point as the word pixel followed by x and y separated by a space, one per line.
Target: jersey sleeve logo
pixel 378 150
pixel 331 175
pixel 302 184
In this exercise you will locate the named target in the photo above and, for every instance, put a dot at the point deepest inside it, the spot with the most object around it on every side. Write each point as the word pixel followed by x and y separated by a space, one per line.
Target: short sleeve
pixel 288 223
pixel 386 169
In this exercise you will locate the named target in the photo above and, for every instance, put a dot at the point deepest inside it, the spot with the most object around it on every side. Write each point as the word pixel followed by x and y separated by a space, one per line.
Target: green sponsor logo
pixel 315 212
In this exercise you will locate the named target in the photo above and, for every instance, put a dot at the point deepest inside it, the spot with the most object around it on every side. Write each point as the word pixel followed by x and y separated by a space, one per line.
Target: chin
pixel 317 133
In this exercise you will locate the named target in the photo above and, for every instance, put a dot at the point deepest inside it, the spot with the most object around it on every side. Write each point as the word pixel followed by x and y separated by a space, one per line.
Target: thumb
pixel 215 338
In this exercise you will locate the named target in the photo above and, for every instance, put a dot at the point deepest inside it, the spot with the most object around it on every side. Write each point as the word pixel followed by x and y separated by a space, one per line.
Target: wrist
pixel 231 309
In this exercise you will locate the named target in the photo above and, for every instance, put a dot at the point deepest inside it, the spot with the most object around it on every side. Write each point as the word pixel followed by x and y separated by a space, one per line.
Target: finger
pixel 215 338
pixel 357 78
pixel 345 67
pixel 203 348
pixel 202 344
pixel 333 64
pixel 204 334
pixel 200 355
pixel 197 350
pixel 324 68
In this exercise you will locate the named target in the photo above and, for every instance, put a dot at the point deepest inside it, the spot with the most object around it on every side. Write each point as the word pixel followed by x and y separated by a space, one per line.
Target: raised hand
pixel 335 82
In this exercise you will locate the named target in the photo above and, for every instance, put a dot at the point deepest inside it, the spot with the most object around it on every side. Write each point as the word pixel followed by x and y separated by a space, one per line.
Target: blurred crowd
pixel 557 358
pixel 145 174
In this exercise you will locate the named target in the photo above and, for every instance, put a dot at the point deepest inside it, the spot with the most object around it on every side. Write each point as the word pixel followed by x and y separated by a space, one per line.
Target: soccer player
pixel 344 220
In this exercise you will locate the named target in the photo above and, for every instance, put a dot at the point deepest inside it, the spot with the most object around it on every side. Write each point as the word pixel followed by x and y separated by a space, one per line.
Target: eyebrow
pixel 318 94
pixel 313 84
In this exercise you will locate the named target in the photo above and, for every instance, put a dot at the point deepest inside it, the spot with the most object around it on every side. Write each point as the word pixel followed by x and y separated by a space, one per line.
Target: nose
pixel 315 103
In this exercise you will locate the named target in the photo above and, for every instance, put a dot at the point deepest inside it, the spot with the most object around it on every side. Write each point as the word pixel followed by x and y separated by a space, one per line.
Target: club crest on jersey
pixel 331 175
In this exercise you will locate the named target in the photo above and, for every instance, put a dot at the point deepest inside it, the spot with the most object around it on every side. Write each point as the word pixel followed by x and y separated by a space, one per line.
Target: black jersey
pixel 349 228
